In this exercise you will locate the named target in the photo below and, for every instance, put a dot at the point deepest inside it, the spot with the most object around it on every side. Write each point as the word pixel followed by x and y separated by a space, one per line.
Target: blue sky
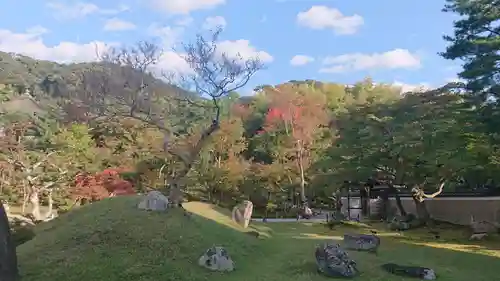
pixel 392 41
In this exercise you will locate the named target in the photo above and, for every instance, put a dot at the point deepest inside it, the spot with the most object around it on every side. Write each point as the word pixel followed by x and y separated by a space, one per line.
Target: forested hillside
pixel 296 141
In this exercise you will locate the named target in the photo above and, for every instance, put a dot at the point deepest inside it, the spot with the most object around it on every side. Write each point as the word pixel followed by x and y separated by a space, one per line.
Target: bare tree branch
pixel 215 75
pixel 439 191
pixel 122 84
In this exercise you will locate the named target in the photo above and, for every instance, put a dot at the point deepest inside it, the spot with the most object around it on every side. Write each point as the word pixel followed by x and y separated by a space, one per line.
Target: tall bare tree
pixel 213 75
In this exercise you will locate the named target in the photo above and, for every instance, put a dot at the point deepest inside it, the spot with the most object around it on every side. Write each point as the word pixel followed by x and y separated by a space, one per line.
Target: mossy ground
pixel 112 240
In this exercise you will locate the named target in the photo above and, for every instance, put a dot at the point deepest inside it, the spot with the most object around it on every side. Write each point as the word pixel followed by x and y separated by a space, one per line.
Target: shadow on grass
pixel 288 254
pixel 112 240
pixel 454 237
pixel 166 245
pixel 222 215
pixel 450 264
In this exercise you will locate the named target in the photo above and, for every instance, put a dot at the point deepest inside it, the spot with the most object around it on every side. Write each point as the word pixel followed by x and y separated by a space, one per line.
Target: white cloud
pixel 184 7
pixel 213 22
pixel 243 49
pixel 37 30
pixel 322 17
pixel 174 64
pixel 455 80
pixel 412 87
pixel 184 21
pixel 170 62
pixel 81 9
pixel 116 24
pixel 31 44
pixel 394 59
pixel 168 35
pixel 299 60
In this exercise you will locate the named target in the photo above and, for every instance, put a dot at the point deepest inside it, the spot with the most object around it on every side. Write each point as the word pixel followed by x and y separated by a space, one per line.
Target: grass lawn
pixel 112 240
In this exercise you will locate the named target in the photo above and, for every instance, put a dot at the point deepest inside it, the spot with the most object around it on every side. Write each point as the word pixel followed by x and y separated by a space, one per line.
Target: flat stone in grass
pixel 361 242
pixel 410 271
pixel 216 259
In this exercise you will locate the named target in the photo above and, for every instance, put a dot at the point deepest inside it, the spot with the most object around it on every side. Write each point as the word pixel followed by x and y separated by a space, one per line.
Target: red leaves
pixel 101 185
pixel 300 114
pixel 89 187
pixel 277 115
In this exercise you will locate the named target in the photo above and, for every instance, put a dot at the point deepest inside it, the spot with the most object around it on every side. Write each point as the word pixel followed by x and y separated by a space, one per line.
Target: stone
pixel 333 261
pixel 410 271
pixel 242 213
pixel 481 229
pixel 478 236
pixel 154 201
pixel 399 224
pixel 336 216
pixel 306 212
pixel 362 242
pixel 216 259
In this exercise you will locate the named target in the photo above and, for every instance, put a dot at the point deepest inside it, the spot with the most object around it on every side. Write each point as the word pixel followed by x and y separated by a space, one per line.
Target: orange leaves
pixel 101 185
pixel 301 115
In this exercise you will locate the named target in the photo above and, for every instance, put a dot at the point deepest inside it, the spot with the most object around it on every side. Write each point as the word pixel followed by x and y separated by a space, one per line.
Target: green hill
pixel 113 240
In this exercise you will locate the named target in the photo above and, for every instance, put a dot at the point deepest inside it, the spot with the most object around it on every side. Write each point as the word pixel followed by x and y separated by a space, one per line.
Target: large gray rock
pixel 399 223
pixel 333 261
pixel 154 201
pixel 216 259
pixel 481 229
pixel 361 242
pixel 242 213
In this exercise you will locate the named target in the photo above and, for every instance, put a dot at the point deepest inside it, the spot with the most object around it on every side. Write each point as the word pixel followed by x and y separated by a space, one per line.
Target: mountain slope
pixel 32 86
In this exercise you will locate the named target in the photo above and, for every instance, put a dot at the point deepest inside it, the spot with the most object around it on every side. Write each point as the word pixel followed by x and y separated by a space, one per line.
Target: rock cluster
pixel 216 259
pixel 333 261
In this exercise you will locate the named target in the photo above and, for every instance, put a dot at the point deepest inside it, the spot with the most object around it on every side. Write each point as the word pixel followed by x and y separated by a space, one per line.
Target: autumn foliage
pixel 101 185
pixel 301 115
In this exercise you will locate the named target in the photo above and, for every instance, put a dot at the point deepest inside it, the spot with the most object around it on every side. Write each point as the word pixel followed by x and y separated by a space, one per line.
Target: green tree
pixel 476 41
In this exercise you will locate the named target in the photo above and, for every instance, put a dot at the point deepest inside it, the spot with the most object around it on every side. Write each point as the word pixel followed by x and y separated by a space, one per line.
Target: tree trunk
pixel 364 201
pixel 35 204
pixel 8 255
pixel 338 201
pixel 175 193
pixel 419 197
pixel 301 170
pixel 25 200
pixel 423 214
pixel 399 204
pixel 385 205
